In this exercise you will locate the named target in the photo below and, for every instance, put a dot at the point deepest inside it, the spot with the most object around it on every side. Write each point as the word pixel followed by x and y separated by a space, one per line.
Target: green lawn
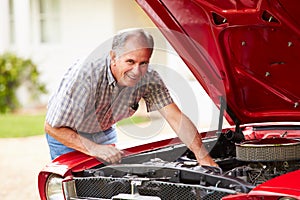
pixel 134 120
pixel 18 125
pixel 21 125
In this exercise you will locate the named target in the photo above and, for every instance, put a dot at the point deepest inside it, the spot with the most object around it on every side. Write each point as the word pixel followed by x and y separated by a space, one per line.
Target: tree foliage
pixel 15 71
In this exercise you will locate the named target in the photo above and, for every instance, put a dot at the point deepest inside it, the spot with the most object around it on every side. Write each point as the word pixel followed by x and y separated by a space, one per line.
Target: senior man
pixel 95 94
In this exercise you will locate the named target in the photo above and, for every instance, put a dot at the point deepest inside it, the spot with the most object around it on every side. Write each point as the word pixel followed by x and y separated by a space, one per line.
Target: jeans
pixel 104 137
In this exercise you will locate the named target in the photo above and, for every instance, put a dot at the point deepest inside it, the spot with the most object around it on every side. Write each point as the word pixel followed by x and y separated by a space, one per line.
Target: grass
pixel 24 125
pixel 133 120
pixel 21 125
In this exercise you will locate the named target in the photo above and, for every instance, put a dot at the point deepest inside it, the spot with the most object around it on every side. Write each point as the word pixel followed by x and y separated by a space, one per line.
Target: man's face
pixel 132 65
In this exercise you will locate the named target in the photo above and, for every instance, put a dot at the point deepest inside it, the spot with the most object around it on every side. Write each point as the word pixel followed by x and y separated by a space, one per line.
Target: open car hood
pixel 244 52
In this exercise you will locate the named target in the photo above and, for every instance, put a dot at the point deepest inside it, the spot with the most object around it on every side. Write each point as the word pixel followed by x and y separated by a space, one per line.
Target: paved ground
pixel 20 161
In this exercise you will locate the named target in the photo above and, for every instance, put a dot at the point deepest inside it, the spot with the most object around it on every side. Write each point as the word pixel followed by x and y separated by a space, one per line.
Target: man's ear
pixel 112 55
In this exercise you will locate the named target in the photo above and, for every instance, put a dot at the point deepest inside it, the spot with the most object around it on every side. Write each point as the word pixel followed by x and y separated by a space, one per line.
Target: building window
pixel 49 21
pixel 11 22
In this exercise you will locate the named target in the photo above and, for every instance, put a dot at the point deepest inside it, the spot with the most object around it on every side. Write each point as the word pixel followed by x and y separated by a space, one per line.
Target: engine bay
pixel 241 176
pixel 162 172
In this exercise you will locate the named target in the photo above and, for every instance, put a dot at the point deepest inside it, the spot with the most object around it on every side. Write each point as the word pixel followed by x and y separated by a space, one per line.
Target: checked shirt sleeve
pixel 158 95
pixel 66 108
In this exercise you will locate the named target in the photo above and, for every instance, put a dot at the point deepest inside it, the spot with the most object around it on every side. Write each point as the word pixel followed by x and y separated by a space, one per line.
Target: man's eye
pixel 130 61
pixel 144 64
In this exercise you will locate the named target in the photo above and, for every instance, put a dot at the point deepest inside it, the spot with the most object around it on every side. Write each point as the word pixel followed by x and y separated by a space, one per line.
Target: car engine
pixel 265 159
pixel 163 174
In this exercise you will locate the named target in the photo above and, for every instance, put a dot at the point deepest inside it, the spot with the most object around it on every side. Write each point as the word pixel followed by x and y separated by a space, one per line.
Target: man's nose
pixel 136 69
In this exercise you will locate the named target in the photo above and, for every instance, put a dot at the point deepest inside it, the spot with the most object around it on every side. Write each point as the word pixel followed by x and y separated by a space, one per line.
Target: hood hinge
pixel 224 107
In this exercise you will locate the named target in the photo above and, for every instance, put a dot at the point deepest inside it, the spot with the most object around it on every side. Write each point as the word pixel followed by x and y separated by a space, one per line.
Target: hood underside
pixel 244 52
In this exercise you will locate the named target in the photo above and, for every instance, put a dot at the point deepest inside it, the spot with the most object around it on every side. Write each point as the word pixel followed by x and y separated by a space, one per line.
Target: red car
pixel 245 54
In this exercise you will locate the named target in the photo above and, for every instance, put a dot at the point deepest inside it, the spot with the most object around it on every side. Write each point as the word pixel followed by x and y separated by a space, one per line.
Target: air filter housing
pixel 270 149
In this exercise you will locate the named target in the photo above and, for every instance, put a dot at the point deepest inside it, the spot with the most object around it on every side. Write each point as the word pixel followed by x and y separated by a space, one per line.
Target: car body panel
pixel 244 51
pixel 285 185
pixel 76 161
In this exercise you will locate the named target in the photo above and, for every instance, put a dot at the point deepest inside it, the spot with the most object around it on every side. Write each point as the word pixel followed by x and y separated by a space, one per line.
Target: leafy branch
pixel 14 72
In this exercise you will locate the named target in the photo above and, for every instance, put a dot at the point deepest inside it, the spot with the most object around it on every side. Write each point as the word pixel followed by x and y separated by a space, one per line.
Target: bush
pixel 14 72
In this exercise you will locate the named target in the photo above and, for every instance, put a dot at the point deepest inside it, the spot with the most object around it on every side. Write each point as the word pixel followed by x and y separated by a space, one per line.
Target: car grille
pixel 106 188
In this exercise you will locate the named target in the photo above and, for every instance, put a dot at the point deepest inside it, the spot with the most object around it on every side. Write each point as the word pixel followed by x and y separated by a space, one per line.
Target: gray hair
pixel 121 38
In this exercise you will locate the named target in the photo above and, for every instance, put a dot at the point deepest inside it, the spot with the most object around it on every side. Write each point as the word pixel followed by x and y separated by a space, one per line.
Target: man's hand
pixel 107 153
pixel 201 153
pixel 70 138
pixel 207 160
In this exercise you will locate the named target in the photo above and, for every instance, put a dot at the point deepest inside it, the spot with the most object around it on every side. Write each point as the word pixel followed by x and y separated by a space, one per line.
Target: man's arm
pixel 72 139
pixel 187 132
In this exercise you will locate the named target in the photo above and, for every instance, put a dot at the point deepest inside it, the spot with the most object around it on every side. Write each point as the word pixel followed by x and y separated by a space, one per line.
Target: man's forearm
pixel 187 132
pixel 69 138
pixel 182 126
pixel 189 135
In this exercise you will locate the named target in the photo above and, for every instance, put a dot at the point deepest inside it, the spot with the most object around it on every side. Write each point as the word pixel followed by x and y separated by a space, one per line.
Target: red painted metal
pixel 287 185
pixel 246 51
pixel 76 161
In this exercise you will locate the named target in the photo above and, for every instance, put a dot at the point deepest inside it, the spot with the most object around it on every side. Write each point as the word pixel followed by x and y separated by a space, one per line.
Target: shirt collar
pixel 110 77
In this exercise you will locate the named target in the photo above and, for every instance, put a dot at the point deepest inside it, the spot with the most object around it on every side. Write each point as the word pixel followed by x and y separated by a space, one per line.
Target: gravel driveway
pixel 21 159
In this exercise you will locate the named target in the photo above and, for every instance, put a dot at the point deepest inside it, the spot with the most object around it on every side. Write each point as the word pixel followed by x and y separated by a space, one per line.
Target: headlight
pixel 54 188
pixel 287 198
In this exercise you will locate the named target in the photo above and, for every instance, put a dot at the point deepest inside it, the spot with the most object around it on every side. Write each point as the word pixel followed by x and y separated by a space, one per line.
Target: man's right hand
pixel 70 138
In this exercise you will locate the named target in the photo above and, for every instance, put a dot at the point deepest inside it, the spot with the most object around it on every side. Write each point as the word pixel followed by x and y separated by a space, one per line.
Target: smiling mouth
pixel 132 77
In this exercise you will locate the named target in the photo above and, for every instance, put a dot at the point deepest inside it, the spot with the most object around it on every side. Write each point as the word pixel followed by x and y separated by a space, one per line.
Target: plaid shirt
pixel 89 100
